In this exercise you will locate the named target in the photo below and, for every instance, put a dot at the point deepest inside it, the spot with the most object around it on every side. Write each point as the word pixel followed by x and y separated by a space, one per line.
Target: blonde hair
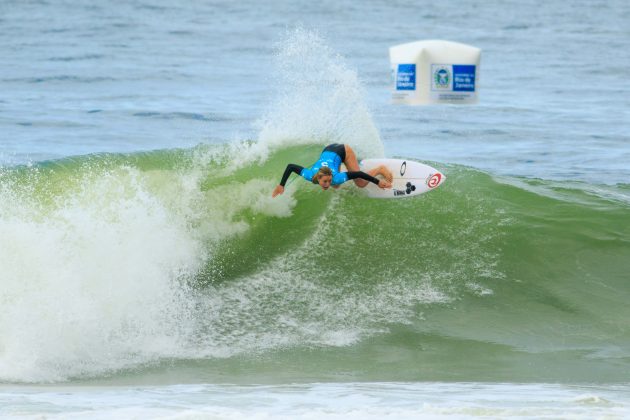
pixel 323 171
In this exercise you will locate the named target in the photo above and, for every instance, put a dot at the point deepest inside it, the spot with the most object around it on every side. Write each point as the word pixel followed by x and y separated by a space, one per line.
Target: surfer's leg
pixel 352 165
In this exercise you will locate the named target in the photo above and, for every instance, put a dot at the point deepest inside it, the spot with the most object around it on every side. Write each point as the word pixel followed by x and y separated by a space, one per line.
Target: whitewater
pixel 145 270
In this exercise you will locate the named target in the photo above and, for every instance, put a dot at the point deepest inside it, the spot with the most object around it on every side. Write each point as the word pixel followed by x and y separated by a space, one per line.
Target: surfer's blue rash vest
pixel 331 160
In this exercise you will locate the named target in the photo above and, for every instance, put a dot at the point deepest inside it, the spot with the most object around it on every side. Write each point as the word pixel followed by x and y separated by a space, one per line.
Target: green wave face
pixel 180 264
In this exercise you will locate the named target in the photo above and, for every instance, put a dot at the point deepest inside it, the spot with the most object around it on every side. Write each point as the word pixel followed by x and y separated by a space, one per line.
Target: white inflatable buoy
pixel 433 72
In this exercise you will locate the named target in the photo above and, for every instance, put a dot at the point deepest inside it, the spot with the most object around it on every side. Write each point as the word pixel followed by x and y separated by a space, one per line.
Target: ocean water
pixel 146 272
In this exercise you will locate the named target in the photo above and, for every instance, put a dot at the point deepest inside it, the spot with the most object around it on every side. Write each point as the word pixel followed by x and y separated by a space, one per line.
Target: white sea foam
pixel 93 282
pixel 318 100
pixel 319 401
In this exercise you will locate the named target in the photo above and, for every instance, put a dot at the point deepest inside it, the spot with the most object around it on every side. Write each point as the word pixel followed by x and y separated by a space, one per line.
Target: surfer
pixel 325 172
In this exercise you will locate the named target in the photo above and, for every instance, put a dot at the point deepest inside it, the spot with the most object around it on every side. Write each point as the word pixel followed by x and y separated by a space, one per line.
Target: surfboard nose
pixel 436 179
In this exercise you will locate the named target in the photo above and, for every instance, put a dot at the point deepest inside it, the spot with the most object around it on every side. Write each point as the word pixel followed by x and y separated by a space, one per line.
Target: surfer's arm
pixel 291 167
pixel 362 175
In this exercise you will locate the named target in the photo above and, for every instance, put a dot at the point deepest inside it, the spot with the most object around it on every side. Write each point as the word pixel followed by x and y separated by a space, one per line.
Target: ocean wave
pixel 112 262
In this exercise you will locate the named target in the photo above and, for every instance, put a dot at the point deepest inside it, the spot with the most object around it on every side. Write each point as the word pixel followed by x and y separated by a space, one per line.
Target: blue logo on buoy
pixel 406 77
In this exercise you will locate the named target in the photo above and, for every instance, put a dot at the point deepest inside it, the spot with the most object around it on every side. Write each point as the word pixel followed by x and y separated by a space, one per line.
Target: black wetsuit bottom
pixel 340 149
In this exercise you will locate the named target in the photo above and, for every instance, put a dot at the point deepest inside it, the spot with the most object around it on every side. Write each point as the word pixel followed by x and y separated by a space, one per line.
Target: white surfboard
pixel 410 178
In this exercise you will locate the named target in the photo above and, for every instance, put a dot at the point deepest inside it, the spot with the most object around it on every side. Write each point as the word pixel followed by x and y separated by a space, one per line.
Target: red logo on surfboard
pixel 434 180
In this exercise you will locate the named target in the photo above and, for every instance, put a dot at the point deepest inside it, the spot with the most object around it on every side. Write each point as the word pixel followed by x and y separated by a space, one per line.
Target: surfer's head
pixel 323 177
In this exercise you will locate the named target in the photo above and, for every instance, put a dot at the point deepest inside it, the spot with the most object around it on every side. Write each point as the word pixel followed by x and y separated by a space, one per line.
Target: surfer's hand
pixel 278 190
pixel 384 184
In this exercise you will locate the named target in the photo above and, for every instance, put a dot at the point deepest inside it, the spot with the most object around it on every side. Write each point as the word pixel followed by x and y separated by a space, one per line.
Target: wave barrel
pixel 434 72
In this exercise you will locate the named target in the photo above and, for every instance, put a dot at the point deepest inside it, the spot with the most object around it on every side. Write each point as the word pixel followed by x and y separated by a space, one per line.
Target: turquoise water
pixel 145 268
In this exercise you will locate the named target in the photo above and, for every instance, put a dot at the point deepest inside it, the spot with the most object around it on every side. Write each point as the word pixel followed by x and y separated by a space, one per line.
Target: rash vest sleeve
pixel 287 172
pixel 362 175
